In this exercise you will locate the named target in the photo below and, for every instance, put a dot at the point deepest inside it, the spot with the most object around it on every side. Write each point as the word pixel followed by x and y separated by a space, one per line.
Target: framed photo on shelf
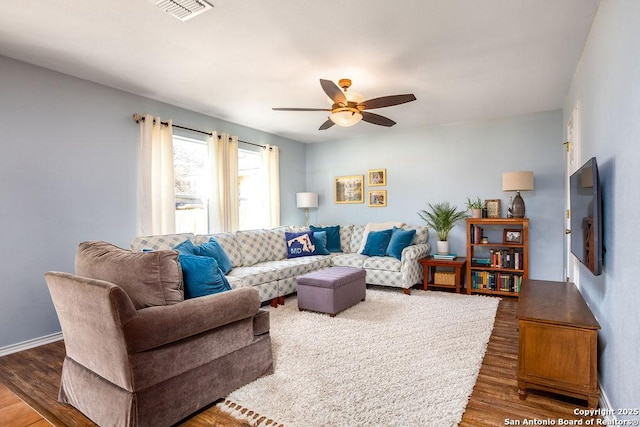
pixel 376 177
pixel 377 198
pixel 512 236
pixel 493 208
pixel 349 189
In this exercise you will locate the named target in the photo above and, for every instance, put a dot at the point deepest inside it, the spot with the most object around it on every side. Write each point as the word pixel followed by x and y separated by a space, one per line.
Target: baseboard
pixel 25 345
pixel 606 410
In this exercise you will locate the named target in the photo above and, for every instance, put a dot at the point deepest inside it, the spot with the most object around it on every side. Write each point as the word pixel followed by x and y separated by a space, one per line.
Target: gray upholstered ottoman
pixel 331 290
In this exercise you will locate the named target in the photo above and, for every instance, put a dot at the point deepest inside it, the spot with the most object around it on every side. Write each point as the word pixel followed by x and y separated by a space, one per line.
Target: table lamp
pixel 517 181
pixel 305 201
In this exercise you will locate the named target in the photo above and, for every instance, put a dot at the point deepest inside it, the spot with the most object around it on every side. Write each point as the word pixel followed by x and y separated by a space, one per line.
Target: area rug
pixel 392 360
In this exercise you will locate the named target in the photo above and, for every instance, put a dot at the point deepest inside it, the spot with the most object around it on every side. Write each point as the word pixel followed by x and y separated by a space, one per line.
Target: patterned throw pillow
pixel 299 244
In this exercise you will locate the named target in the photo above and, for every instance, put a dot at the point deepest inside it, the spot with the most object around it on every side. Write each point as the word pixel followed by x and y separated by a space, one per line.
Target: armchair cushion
pixel 157 326
pixel 149 278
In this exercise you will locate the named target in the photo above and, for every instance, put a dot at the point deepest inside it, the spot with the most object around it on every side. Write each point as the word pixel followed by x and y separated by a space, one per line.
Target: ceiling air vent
pixel 183 9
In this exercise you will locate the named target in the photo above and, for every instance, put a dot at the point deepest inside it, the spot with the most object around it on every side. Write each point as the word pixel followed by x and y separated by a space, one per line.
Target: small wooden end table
pixel 429 265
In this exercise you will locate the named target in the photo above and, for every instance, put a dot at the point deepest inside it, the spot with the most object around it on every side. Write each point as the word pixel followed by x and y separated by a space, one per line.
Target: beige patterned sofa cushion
pixel 159 243
pixel 278 242
pixel 255 246
pixel 229 244
pixel 356 238
pixel 422 233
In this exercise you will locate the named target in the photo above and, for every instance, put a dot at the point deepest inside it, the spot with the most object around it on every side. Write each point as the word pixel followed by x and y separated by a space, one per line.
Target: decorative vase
pixel 476 213
pixel 443 247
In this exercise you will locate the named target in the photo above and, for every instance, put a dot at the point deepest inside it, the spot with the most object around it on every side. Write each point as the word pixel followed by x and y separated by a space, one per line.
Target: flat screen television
pixel 585 196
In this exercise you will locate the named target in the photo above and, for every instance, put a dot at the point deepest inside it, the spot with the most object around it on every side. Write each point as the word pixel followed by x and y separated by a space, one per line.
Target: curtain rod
pixel 137 117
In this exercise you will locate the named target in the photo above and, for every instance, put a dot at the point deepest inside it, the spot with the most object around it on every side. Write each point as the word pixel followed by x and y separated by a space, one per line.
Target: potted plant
pixel 475 206
pixel 442 217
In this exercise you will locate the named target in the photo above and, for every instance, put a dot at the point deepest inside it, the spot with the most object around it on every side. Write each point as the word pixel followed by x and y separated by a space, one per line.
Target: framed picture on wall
pixel 376 177
pixel 377 198
pixel 493 208
pixel 349 189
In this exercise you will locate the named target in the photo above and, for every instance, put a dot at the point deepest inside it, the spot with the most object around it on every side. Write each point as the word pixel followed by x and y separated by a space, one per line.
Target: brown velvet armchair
pixel 155 365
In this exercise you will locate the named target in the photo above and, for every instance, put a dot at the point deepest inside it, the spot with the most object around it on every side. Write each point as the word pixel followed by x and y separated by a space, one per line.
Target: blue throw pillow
pixel 202 276
pixel 400 239
pixel 213 249
pixel 377 242
pixel 320 240
pixel 187 247
pixel 333 237
pixel 299 244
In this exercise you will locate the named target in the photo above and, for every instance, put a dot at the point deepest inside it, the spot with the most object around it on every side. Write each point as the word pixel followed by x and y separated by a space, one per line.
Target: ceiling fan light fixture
pixel 354 97
pixel 349 108
pixel 345 117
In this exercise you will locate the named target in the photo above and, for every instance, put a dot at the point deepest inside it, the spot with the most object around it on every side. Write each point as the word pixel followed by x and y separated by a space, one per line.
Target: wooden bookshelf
pixel 500 264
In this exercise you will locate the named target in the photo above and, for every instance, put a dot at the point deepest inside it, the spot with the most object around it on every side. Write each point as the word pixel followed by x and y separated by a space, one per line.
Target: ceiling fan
pixel 349 107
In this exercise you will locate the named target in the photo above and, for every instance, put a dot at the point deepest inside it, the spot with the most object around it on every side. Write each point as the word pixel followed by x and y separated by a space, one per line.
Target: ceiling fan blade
pixel 326 125
pixel 301 109
pixel 377 119
pixel 333 91
pixel 387 101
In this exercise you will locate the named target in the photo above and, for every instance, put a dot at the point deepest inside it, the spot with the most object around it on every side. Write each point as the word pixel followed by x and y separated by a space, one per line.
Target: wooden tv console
pixel 558 341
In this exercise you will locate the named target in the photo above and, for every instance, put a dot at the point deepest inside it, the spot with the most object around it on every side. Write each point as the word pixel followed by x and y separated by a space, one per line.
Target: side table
pixel 429 266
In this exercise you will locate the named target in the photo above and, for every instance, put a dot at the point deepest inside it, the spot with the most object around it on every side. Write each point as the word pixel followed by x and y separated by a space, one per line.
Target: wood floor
pixel 33 376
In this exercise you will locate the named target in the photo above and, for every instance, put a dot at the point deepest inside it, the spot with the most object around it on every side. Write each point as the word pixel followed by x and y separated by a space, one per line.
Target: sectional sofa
pixel 259 258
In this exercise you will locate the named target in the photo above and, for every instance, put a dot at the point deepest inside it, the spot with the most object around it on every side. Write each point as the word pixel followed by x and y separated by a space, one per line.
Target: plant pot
pixel 476 213
pixel 443 247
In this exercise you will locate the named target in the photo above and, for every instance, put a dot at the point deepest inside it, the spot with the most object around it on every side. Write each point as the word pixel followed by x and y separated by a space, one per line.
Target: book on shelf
pixel 441 256
pixel 506 258
pixel 476 234
pixel 484 262
pixel 496 281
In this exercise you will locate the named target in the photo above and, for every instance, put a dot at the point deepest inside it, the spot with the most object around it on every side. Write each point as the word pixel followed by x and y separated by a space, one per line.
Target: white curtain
pixel 271 168
pixel 224 203
pixel 215 205
pixel 156 191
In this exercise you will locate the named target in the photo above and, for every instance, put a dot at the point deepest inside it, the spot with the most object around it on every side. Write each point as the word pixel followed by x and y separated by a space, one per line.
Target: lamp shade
pixel 346 117
pixel 307 200
pixel 517 181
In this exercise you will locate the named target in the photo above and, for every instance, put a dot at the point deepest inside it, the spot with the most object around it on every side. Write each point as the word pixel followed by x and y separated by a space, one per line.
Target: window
pixel 190 158
pixel 192 181
pixel 252 190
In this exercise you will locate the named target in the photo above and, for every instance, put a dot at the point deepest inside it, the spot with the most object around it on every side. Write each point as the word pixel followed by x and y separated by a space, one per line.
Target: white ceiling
pixel 463 59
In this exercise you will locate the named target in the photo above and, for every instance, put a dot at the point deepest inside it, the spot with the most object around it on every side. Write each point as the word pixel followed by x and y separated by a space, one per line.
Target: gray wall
pixel 68 173
pixel 607 86
pixel 451 163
